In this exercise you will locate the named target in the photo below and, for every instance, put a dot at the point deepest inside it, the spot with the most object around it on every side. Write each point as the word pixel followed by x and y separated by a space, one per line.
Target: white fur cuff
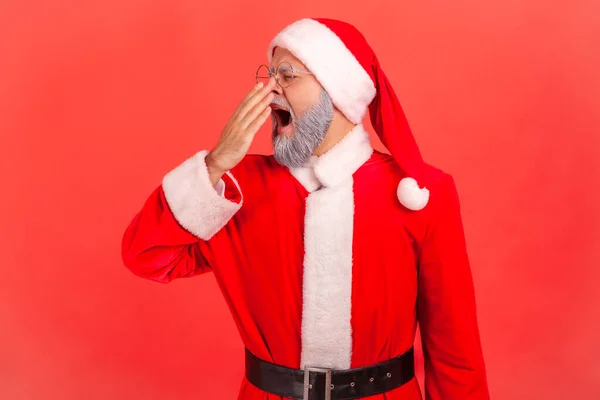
pixel 195 203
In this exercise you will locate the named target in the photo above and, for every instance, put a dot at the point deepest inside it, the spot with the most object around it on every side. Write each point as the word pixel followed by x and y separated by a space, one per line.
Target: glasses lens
pixel 262 74
pixel 285 74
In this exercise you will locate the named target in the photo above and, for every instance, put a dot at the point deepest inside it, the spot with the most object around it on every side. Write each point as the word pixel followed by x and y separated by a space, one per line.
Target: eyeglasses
pixel 284 76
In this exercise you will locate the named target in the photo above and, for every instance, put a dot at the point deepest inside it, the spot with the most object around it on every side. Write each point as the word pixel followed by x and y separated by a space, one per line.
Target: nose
pixel 275 88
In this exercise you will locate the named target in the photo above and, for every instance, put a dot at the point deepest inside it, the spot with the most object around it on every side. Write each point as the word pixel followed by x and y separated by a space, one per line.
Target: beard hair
pixel 308 132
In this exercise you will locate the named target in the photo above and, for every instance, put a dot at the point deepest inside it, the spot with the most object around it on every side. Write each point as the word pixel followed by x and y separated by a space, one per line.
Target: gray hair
pixel 308 133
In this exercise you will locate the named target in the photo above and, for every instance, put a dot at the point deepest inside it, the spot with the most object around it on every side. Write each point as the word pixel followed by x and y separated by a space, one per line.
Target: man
pixel 328 253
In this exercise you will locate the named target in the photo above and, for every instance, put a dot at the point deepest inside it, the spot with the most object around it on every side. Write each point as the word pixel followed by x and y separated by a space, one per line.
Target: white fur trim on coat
pixel 334 66
pixel 338 164
pixel 344 158
pixel 327 280
pixel 195 203
pixel 328 236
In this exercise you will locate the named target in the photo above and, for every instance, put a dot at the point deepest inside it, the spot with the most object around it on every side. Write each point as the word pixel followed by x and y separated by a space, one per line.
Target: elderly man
pixel 328 253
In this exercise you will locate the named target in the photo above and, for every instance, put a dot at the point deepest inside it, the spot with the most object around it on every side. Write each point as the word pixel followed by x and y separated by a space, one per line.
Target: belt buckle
pixel 326 371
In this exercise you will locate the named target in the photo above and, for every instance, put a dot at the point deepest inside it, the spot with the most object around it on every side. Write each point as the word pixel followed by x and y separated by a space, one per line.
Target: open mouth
pixel 283 116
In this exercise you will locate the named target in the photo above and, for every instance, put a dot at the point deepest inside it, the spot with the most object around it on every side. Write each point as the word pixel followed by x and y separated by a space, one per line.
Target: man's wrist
pixel 214 172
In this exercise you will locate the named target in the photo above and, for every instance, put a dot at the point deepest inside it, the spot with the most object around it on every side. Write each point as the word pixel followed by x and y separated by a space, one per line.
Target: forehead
pixel 284 55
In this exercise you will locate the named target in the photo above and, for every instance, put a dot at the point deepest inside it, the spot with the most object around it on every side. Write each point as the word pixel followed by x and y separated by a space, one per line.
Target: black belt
pixel 327 384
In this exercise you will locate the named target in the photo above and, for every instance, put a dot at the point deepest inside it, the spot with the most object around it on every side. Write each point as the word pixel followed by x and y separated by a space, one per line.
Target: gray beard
pixel 308 132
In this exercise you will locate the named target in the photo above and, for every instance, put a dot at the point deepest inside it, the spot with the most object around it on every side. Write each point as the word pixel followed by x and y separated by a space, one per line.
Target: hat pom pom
pixel 411 195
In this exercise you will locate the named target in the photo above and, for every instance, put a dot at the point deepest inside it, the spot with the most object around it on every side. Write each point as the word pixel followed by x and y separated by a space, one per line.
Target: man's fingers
pixel 254 99
pixel 256 110
pixel 251 93
pixel 258 122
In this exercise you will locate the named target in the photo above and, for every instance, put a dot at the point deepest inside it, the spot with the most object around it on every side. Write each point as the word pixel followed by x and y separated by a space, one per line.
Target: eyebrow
pixel 284 69
pixel 280 62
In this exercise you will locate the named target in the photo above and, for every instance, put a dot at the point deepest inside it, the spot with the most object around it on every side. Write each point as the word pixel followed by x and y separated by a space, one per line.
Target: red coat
pixel 322 265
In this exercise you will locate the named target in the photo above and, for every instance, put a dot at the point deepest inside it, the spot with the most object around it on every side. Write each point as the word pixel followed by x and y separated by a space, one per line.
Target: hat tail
pixel 390 124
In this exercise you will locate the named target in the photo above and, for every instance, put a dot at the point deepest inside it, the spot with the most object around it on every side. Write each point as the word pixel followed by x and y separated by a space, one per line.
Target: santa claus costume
pixel 333 264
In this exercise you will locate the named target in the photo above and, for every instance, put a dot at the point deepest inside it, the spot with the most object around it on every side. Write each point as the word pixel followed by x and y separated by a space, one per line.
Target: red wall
pixel 98 100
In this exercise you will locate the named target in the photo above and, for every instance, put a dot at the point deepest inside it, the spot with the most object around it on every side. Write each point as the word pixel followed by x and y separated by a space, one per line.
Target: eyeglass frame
pixel 272 72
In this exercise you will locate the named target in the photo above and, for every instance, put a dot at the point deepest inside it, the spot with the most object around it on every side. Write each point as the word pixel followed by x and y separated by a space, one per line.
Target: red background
pixel 99 99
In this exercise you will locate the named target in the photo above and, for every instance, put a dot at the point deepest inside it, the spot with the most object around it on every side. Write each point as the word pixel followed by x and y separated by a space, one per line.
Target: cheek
pixel 302 98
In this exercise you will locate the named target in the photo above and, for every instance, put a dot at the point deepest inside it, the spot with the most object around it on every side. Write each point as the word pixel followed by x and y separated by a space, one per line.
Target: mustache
pixel 282 102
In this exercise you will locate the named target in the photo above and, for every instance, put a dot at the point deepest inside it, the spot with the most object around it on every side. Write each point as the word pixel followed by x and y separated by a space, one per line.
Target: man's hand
pixel 239 132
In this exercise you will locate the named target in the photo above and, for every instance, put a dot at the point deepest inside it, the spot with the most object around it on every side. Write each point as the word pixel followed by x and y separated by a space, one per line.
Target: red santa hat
pixel 343 62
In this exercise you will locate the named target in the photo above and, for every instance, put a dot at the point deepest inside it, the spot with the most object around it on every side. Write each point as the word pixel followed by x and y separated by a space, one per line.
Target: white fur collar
pixel 339 163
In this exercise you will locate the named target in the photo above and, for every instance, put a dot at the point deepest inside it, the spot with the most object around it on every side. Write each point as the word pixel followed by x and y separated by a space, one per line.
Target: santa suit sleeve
pixel 170 236
pixel 454 364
